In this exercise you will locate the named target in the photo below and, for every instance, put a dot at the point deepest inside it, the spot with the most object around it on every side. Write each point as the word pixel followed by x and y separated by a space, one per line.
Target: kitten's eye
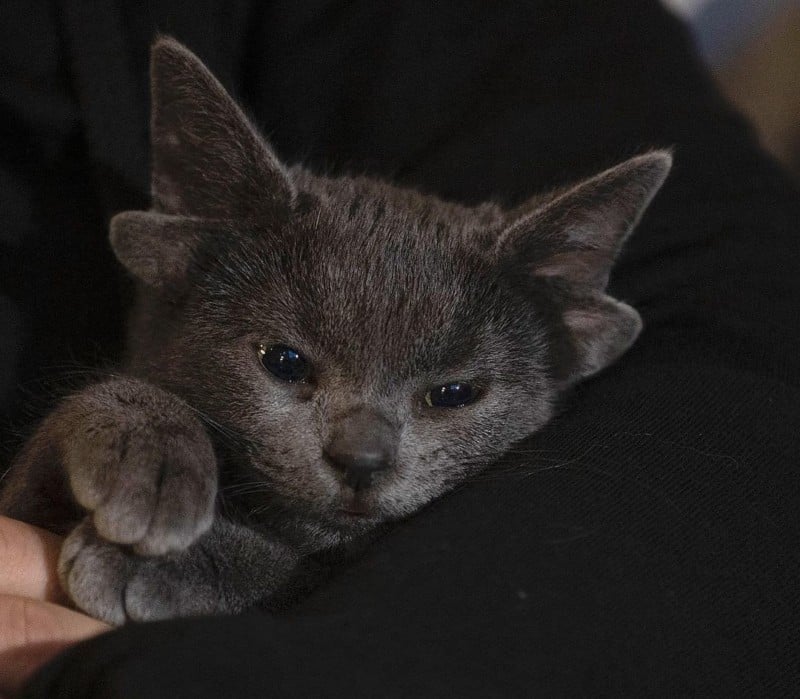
pixel 450 395
pixel 285 363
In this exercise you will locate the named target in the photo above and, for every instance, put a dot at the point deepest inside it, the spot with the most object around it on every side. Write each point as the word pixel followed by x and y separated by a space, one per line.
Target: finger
pixel 29 557
pixel 32 632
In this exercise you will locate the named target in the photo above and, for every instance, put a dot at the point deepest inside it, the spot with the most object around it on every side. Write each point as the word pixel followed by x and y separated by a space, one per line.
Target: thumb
pixel 29 557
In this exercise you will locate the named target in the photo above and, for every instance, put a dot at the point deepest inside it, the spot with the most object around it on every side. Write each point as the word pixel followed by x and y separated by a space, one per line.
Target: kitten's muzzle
pixel 363 445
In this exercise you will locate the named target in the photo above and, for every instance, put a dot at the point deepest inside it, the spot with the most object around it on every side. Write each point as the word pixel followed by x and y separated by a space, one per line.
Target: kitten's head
pixel 366 347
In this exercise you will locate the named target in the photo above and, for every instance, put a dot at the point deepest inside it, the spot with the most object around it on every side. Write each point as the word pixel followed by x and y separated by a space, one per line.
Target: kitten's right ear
pixel 572 241
pixel 155 248
pixel 208 160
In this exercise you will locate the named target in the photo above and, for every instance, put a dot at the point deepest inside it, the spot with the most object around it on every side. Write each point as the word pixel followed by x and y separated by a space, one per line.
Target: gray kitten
pixel 308 359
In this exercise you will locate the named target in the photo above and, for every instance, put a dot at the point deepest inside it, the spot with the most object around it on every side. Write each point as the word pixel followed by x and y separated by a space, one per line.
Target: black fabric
pixel 645 544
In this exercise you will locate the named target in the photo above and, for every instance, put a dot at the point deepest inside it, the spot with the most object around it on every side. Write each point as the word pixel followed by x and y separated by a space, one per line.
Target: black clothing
pixel 646 542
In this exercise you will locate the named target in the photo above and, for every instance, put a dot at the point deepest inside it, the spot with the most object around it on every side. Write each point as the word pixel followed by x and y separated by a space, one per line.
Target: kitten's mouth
pixel 355 508
pixel 353 513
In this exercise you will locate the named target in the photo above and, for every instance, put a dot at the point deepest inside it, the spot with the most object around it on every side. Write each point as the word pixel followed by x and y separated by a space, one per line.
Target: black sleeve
pixel 645 543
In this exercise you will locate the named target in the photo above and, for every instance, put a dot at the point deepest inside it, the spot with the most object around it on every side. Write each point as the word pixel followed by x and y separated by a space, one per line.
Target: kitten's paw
pixel 149 482
pixel 163 588
pixel 111 583
pixel 95 573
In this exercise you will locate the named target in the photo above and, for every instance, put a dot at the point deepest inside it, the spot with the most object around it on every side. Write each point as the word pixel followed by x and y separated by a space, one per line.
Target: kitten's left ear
pixel 208 160
pixel 573 240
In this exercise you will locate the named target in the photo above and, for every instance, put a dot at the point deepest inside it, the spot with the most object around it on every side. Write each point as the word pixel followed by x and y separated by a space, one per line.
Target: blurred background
pixel 753 50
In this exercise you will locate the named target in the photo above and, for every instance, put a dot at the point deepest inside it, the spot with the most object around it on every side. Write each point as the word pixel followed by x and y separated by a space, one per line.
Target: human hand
pixel 34 623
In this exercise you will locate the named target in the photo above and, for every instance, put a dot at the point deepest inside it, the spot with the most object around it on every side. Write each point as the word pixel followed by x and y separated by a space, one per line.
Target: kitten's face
pixel 367 347
pixel 383 309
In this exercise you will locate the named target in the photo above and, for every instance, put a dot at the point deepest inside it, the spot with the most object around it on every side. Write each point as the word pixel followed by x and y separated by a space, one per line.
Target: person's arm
pixel 34 623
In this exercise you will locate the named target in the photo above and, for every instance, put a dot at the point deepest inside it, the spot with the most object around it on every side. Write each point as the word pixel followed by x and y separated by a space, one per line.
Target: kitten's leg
pixel 136 457
pixel 227 569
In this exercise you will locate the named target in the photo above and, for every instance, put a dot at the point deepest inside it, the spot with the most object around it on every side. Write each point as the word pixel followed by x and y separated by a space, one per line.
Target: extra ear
pixel 602 329
pixel 573 240
pixel 155 248
pixel 208 160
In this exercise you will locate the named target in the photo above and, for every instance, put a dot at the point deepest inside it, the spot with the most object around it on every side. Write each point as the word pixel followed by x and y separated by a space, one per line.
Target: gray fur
pixel 194 482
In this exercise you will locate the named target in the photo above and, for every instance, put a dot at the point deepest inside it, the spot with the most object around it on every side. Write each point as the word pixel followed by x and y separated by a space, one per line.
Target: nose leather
pixel 363 444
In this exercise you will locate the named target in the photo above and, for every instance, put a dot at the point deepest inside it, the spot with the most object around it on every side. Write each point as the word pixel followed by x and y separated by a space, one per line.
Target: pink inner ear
pixel 581 267
pixel 582 321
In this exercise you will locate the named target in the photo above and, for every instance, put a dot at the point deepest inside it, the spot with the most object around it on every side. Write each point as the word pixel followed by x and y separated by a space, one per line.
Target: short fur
pixel 195 481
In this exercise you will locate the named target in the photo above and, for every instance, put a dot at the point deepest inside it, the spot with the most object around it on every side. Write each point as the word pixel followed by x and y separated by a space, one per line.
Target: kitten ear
pixel 573 240
pixel 208 160
pixel 577 235
pixel 155 248
pixel 601 330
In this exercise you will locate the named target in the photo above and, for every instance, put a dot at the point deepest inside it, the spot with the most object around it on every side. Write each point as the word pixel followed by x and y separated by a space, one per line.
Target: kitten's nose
pixel 363 444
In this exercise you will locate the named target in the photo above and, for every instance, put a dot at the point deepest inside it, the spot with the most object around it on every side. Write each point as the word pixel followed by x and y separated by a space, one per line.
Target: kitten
pixel 308 359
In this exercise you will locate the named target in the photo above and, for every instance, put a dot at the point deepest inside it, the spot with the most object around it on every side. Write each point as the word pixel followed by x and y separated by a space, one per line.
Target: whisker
pixel 246 489
pixel 260 509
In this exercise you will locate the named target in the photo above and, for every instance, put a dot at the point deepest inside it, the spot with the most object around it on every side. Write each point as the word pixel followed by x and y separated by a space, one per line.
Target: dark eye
pixel 285 363
pixel 450 395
